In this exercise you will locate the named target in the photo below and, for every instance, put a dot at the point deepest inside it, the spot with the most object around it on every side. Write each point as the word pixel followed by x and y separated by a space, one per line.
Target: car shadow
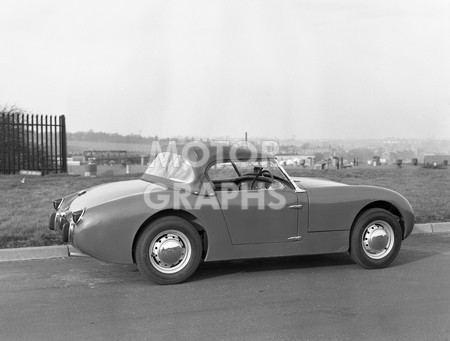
pixel 414 249
pixel 421 246
pixel 408 255
pixel 210 270
pixel 222 268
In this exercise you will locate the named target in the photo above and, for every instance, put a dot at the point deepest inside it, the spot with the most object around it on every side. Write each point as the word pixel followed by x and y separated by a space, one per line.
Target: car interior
pixel 231 179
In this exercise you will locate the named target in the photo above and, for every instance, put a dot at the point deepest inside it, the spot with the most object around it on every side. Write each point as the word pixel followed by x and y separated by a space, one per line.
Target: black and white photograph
pixel 224 170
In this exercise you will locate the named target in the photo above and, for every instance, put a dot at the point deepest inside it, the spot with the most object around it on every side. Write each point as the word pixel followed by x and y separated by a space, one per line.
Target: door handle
pixel 296 206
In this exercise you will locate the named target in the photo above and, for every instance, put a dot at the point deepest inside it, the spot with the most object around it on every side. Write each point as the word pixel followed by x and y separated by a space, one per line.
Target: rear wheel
pixel 168 251
pixel 376 239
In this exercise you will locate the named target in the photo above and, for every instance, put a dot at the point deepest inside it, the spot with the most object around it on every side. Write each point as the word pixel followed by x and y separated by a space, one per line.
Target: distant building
pixel 106 156
pixel 436 159
pixel 297 160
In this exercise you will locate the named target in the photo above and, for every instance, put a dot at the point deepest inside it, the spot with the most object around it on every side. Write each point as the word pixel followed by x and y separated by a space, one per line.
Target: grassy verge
pixel 25 207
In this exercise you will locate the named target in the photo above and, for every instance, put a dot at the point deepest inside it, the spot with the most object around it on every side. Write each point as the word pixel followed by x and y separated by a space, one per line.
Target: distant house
pixel 436 159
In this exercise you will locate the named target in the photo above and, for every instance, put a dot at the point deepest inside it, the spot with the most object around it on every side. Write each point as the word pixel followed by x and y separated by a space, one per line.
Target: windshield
pixel 230 169
pixel 171 166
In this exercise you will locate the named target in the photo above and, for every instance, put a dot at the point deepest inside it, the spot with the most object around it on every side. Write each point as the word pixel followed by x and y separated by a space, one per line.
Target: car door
pixel 260 216
pixel 256 215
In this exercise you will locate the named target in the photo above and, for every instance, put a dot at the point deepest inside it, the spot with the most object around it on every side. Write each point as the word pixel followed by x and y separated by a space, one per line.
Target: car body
pixel 211 204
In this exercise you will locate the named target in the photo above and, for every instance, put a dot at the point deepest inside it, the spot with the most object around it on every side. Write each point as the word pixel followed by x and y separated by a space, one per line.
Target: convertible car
pixel 211 204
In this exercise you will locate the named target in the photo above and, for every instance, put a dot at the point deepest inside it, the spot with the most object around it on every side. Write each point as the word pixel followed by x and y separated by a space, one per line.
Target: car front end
pixel 102 221
pixel 64 219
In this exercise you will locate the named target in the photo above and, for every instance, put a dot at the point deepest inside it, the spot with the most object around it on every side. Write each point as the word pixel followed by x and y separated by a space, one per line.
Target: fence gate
pixel 32 142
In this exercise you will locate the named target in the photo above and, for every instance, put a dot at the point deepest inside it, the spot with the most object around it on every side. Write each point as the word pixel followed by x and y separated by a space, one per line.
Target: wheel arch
pixel 198 225
pixel 386 205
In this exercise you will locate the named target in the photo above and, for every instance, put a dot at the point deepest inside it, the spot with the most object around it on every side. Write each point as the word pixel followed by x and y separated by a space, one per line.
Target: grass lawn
pixel 25 207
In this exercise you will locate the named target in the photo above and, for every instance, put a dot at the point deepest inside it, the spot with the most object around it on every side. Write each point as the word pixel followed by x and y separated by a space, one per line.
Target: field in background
pixel 427 190
pixel 26 207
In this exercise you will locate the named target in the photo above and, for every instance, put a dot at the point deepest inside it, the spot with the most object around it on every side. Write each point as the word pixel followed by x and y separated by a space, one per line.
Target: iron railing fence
pixel 33 143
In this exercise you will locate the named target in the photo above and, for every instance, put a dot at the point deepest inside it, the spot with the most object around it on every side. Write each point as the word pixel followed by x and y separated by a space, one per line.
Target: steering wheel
pixel 261 172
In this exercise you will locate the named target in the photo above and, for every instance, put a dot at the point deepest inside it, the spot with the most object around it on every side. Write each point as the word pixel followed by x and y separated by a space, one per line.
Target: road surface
pixel 298 298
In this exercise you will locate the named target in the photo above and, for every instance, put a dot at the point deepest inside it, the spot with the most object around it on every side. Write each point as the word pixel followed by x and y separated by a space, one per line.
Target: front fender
pixel 107 231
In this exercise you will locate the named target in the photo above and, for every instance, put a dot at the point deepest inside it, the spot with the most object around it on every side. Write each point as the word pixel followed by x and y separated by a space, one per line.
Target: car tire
pixel 168 251
pixel 375 239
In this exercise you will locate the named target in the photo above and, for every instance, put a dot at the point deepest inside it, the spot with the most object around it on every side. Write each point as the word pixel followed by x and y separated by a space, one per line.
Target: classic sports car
pixel 211 203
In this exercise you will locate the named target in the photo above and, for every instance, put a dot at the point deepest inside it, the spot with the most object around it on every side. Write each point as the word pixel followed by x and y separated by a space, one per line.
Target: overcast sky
pixel 309 69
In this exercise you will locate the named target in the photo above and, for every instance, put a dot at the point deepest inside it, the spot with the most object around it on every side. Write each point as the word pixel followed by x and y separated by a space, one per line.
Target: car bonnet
pixel 113 191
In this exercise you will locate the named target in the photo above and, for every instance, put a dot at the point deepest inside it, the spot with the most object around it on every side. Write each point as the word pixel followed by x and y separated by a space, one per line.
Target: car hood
pixel 112 191
pixel 315 182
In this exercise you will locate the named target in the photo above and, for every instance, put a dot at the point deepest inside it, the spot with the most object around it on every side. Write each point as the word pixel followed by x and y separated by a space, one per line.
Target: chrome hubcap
pixel 378 239
pixel 170 251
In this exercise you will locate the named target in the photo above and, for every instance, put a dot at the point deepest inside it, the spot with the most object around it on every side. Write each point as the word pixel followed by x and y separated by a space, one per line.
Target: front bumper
pixel 59 222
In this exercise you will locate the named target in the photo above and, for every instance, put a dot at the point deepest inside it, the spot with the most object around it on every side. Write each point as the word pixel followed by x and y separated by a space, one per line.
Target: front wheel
pixel 375 239
pixel 168 251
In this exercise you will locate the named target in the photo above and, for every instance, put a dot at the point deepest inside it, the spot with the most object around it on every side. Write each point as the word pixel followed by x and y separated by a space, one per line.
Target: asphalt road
pixel 299 298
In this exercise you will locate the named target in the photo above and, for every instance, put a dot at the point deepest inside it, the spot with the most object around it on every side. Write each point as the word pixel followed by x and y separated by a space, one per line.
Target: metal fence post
pixel 63 144
pixel 3 144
